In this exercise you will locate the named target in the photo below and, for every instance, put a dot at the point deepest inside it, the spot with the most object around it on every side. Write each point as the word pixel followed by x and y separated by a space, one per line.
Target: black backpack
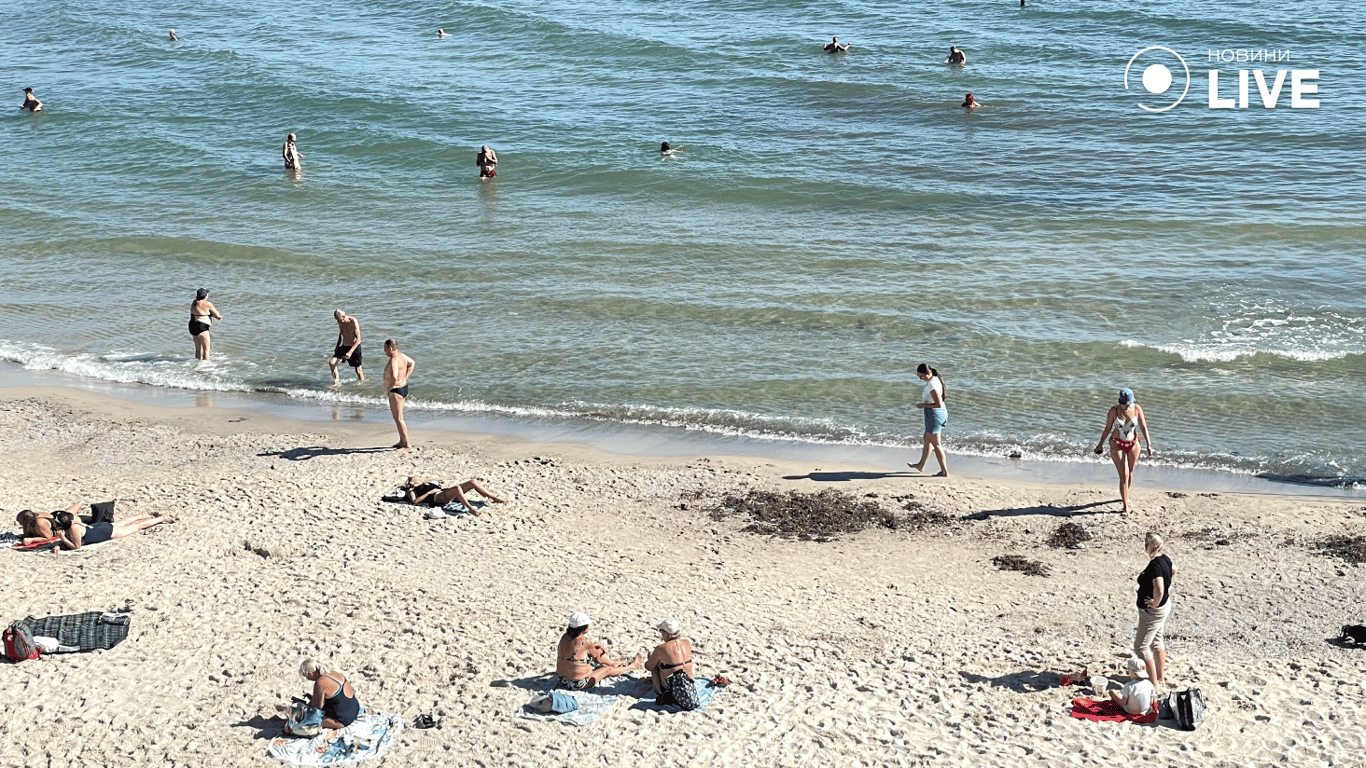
pixel 682 691
pixel 1187 708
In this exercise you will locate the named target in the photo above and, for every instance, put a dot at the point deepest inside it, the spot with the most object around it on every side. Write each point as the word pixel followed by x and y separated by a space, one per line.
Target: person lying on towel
pixel 73 533
pixel 419 492
pixel 581 662
pixel 1137 696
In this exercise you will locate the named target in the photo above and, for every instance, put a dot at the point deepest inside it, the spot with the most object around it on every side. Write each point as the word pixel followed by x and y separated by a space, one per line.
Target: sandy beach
pixel 893 646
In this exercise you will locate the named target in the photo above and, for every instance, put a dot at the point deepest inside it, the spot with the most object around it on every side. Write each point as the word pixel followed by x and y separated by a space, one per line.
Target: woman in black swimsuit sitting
pixel 581 662
pixel 332 693
pixel 432 494
pixel 670 666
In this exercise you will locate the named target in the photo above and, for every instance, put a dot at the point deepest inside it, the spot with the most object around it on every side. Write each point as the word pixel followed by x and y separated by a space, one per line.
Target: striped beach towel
pixel 93 630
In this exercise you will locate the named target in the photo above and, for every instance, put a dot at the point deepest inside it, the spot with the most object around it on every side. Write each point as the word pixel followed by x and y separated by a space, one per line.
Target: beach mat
pixel 1107 711
pixel 366 739
pixel 705 693
pixel 592 704
pixel 433 513
pixel 90 631
pixel 15 542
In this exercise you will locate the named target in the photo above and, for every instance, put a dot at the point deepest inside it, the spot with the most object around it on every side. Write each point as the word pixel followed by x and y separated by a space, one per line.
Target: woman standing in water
pixel 1126 419
pixel 202 315
pixel 932 400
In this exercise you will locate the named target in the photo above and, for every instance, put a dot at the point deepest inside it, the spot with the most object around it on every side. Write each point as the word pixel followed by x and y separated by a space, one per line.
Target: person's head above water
pixel 663 146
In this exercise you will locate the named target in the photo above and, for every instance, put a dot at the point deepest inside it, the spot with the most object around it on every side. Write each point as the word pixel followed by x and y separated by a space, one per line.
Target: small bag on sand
pixel 679 691
pixel 102 512
pixel 1187 708
pixel 19 643
pixel 304 720
pixel 554 703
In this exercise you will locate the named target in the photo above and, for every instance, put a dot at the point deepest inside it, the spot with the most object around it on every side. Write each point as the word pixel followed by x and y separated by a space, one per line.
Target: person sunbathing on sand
pixel 418 492
pixel 40 526
pixel 582 663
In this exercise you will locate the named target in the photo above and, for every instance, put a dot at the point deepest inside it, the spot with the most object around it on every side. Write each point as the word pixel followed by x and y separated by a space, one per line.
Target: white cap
pixel 578 619
pixel 1138 667
pixel 668 626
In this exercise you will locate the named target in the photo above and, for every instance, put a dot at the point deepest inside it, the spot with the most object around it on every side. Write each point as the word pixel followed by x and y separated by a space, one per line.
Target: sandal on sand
pixel 424 722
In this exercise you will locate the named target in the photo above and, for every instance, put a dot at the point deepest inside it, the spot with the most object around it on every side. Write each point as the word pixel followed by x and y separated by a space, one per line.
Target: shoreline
pixel 627 440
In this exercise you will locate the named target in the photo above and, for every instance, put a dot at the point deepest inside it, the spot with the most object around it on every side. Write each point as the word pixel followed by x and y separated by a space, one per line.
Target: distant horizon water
pixel 830 221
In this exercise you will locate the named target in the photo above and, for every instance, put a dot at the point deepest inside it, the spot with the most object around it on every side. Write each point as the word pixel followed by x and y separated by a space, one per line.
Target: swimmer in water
pixel 31 102
pixel 835 46
pixel 174 39
pixel 971 103
pixel 442 33
pixel 487 160
pixel 666 150
pixel 956 56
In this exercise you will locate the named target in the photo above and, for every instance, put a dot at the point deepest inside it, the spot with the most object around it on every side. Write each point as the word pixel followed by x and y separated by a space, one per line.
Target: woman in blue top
pixel 932 400
pixel 332 693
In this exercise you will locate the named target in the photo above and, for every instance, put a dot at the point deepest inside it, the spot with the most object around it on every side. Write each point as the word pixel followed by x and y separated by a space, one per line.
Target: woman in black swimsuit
pixel 72 533
pixel 433 494
pixel 670 664
pixel 202 315
pixel 332 693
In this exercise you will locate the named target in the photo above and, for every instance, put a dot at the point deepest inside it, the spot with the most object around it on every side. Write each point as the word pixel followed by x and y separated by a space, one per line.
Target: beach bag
pixel 681 691
pixel 1187 708
pixel 304 720
pixel 19 643
pixel 102 512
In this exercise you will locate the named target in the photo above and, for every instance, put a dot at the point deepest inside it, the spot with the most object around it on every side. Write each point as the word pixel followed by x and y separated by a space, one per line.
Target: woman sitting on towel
pixel 418 492
pixel 670 664
pixel 73 534
pixel 582 663
pixel 332 693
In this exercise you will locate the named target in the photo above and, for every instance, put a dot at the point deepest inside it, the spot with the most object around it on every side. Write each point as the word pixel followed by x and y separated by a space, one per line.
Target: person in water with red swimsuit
pixel 1123 424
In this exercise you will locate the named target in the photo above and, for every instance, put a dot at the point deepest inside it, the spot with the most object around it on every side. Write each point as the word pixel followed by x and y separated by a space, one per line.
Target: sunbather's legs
pixel 613 670
pixel 131 525
pixel 481 490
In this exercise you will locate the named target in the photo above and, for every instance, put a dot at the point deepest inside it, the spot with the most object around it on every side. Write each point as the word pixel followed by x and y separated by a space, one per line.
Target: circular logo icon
pixel 1157 77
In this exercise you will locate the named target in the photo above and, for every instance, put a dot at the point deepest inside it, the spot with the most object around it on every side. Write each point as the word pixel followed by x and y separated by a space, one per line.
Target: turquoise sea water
pixel 830 222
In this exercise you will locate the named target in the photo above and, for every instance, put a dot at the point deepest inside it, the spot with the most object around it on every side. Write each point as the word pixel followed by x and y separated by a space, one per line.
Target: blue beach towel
pixel 592 704
pixel 366 739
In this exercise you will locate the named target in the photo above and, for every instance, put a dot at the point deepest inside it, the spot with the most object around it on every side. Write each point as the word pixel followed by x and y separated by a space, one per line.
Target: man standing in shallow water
pixel 348 346
pixel 291 153
pixel 396 373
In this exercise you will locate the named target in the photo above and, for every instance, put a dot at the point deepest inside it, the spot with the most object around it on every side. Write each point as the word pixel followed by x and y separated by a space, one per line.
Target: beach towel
pixel 1108 711
pixel 432 513
pixel 90 631
pixel 366 739
pixel 705 693
pixel 16 542
pixel 592 704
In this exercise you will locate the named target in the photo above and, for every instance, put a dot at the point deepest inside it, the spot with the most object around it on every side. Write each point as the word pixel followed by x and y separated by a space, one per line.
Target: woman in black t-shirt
pixel 1154 604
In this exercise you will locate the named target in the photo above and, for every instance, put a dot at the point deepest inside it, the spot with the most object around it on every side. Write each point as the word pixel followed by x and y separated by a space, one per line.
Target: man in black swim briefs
pixel 348 346
pixel 396 373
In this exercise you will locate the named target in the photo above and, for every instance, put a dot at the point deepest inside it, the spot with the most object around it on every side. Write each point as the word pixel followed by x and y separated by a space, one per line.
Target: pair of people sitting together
pixel 581 662
pixel 66 530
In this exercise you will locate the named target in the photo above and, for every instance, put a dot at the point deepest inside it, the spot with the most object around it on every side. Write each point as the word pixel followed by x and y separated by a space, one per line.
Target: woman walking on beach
pixel 932 400
pixel 1154 605
pixel 202 314
pixel 1126 420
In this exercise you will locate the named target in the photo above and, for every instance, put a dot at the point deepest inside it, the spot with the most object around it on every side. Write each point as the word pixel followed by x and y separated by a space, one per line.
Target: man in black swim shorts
pixel 348 346
pixel 396 374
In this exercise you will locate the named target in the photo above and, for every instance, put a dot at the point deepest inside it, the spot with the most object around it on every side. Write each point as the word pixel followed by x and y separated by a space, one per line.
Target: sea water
pixel 830 222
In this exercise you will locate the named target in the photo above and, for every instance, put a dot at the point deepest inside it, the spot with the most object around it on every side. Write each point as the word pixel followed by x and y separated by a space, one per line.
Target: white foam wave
pixel 1209 352
pixel 125 368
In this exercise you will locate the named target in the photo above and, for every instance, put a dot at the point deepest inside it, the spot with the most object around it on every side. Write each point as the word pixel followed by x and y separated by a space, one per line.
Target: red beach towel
pixel 1088 709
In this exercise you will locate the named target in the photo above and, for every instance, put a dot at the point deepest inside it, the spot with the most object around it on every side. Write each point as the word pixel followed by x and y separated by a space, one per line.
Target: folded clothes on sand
pixel 90 631
pixel 366 739
pixel 705 693
pixel 1108 711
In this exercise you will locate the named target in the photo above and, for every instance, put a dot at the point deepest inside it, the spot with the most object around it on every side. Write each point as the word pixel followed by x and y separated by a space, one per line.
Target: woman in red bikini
pixel 1123 425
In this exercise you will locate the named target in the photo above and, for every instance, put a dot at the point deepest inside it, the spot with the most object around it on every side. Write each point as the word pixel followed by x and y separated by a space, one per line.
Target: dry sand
pixel 887 647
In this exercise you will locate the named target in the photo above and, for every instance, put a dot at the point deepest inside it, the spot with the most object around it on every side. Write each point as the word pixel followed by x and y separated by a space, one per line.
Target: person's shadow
pixel 313 451
pixel 844 477
pixel 1042 509
pixel 267 727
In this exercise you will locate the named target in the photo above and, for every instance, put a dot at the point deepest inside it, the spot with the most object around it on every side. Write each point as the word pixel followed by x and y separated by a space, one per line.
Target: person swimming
pixel 956 56
pixel 442 33
pixel 971 103
pixel 665 149
pixel 174 39
pixel 835 46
